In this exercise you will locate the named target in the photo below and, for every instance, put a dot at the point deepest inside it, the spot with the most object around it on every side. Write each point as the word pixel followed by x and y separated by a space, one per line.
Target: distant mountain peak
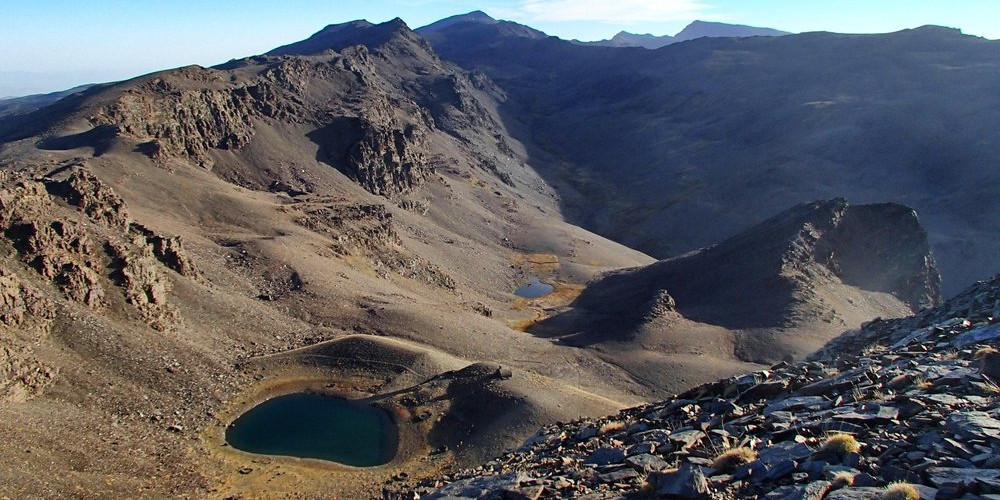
pixel 476 16
pixel 476 22
pixel 697 29
pixel 702 29
pixel 340 36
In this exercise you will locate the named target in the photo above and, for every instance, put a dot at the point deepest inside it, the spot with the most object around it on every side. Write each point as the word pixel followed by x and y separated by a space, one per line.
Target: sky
pixel 53 45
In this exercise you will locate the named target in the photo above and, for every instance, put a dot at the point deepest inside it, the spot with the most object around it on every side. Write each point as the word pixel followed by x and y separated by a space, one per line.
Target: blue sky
pixel 56 44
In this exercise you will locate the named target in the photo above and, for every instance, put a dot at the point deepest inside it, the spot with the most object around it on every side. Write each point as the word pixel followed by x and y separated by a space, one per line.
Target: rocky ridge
pixel 913 400
pixel 85 252
pixel 816 268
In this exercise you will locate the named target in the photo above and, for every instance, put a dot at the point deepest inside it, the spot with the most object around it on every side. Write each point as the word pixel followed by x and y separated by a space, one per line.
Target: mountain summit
pixel 697 29
pixel 701 29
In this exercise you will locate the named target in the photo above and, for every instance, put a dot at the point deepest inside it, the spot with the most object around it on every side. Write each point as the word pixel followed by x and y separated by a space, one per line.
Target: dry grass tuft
pixel 901 491
pixel 983 351
pixel 842 479
pixel 840 443
pixel 610 427
pixel 733 458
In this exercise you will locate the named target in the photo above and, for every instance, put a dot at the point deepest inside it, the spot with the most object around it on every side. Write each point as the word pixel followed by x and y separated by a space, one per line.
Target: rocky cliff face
pixel 911 401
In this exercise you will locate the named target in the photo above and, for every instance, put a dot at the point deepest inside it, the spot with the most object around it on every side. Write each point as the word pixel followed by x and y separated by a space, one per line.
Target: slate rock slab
pixel 687 483
pixel 477 487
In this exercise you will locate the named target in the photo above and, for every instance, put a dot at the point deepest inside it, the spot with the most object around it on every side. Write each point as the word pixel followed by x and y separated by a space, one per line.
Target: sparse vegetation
pixel 611 427
pixel 733 458
pixel 840 443
pixel 983 351
pixel 842 479
pixel 922 384
pixel 901 491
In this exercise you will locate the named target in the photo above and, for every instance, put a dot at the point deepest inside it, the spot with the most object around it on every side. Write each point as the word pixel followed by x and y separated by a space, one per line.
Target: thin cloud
pixel 612 11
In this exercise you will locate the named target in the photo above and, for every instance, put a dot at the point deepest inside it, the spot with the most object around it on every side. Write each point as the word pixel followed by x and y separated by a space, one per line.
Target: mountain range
pixel 352 214
pixel 697 29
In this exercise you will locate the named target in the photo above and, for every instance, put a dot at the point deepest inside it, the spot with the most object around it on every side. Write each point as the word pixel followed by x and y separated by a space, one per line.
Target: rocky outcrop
pixel 25 317
pixel 134 268
pixel 897 401
pixel 173 119
pixel 366 230
pixel 61 251
pixel 387 160
pixel 85 191
pixel 90 252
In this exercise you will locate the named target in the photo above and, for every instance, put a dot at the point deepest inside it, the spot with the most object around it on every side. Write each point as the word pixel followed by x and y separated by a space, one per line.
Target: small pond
pixel 308 425
pixel 535 289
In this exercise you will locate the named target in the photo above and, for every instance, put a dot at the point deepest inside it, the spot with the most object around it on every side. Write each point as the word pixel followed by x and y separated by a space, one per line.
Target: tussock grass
pixel 840 443
pixel 610 427
pixel 901 491
pixel 842 479
pixel 983 351
pixel 733 458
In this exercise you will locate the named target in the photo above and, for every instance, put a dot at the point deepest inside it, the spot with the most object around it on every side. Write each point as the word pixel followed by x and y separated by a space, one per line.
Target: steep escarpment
pixel 910 401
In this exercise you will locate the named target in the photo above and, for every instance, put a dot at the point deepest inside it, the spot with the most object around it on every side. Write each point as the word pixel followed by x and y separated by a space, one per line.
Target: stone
pixel 687 483
pixel 647 463
pixel 686 439
pixel 974 425
pixel 781 469
pixel 855 493
pixel 476 487
pixel 605 456
pixel 976 336
pixel 812 491
pixel 940 476
pixel 795 404
pixel 784 451
pixel 640 448
pixel 617 476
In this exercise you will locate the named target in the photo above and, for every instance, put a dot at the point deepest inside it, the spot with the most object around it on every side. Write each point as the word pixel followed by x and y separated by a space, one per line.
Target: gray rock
pixel 974 425
pixel 688 482
pixel 856 494
pixel 811 403
pixel 605 456
pixel 940 476
pixel 977 336
pixel 781 469
pixel 477 487
pixel 686 439
pixel 785 450
pixel 658 436
pixel 647 463
pixel 618 476
pixel 811 491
